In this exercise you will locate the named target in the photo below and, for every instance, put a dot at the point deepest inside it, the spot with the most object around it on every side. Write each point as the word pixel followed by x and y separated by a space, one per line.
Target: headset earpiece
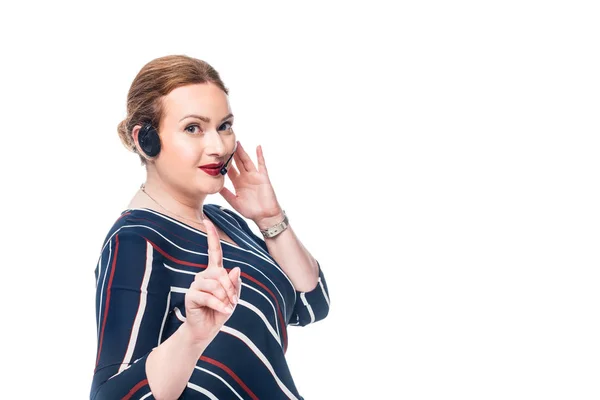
pixel 149 140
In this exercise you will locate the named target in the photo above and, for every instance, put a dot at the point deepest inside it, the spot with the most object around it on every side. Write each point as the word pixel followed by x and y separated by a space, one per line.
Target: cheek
pixel 183 152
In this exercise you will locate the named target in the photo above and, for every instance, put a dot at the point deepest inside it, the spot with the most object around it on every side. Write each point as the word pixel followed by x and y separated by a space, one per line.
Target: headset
pixel 150 144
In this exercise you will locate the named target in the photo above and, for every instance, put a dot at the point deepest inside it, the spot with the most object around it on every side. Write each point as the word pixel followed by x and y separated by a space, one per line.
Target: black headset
pixel 149 140
pixel 150 144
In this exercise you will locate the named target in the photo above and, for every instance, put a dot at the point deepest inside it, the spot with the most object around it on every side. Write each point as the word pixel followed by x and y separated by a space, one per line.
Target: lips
pixel 212 166
pixel 212 169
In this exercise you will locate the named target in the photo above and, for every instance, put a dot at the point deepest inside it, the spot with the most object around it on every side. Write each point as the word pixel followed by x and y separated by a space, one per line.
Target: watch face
pixel 275 230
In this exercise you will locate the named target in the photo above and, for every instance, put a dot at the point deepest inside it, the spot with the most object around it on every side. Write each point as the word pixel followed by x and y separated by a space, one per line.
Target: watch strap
pixel 277 228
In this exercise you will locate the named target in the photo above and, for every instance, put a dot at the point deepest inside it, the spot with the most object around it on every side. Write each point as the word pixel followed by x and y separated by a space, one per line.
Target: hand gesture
pixel 213 295
pixel 254 196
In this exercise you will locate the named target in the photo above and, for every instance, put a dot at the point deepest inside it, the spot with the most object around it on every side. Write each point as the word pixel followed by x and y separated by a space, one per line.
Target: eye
pixel 193 131
pixel 225 124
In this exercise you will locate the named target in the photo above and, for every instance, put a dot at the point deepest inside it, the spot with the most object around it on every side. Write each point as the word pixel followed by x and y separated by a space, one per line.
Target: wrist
pixel 268 222
pixel 190 340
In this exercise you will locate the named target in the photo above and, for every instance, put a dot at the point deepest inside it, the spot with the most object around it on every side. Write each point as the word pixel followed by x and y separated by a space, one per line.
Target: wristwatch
pixel 277 228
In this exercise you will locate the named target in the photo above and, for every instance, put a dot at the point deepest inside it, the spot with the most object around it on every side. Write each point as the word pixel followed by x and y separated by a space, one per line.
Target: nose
pixel 213 143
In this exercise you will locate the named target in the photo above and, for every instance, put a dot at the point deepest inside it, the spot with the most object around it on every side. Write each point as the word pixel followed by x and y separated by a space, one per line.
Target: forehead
pixel 205 99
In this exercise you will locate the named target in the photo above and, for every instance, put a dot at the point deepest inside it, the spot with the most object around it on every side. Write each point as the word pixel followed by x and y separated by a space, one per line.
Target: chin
pixel 214 187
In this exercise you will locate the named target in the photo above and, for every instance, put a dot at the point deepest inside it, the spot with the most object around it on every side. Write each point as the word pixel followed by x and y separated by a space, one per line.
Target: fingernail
pixel 229 308
pixel 235 299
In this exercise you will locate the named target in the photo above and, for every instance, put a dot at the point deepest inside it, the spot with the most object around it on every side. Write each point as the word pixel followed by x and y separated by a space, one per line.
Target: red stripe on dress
pixel 112 274
pixel 170 257
pixel 135 389
pixel 231 373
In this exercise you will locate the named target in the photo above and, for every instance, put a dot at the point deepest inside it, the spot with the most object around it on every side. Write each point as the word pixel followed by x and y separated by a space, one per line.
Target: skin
pixel 180 187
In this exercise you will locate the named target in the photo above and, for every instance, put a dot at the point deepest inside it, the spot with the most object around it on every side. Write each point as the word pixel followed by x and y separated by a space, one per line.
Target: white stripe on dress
pixel 99 270
pixel 103 283
pixel 221 379
pixel 262 316
pixel 260 355
pixel 324 293
pixel 181 271
pixel 178 314
pixel 162 325
pixel 310 311
pixel 202 390
pixel 270 302
pixel 135 330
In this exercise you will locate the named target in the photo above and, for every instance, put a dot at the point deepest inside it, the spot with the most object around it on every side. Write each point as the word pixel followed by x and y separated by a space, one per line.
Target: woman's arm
pixel 171 364
pixel 289 252
pixel 312 294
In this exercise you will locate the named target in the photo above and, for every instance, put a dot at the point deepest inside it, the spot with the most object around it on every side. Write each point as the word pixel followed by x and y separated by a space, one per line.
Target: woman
pixel 189 301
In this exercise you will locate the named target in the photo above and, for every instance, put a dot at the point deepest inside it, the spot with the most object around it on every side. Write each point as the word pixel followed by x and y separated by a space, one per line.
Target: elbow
pixel 322 313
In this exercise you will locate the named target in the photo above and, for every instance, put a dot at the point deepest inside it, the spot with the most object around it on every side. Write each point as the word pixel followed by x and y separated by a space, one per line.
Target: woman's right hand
pixel 213 295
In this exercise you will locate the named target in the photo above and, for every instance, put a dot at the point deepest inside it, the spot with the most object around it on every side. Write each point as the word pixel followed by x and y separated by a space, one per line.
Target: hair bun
pixel 124 135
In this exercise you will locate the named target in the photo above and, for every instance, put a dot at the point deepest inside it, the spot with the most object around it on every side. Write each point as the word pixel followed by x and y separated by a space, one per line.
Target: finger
pixel 229 286
pixel 262 166
pixel 229 197
pixel 239 164
pixel 243 159
pixel 237 281
pixel 213 287
pixel 232 173
pixel 224 279
pixel 204 299
pixel 215 253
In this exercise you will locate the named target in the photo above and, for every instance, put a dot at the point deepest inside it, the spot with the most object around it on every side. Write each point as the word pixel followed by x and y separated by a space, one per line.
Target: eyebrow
pixel 205 119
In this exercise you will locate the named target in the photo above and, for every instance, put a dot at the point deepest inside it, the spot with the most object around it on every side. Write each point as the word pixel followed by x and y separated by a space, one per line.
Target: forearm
pixel 289 252
pixel 170 365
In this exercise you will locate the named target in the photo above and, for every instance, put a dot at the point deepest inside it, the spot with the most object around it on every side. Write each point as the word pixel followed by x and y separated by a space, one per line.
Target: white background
pixel 440 159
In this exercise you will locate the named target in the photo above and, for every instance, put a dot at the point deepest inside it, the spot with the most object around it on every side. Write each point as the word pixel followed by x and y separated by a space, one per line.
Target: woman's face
pixel 196 129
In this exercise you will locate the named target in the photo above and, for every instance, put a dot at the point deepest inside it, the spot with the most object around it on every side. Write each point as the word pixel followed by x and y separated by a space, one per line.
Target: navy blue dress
pixel 147 263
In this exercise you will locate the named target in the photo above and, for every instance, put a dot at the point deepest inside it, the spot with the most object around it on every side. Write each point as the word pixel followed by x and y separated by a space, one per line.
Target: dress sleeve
pixel 311 306
pixel 131 302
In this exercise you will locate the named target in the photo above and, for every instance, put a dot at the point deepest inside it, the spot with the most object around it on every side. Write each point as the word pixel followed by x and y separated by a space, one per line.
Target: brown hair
pixel 155 80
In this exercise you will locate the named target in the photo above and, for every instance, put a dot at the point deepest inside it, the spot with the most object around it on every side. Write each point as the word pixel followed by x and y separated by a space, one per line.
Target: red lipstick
pixel 212 169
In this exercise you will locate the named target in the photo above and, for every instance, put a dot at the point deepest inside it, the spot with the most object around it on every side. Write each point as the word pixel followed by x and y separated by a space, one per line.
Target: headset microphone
pixel 223 170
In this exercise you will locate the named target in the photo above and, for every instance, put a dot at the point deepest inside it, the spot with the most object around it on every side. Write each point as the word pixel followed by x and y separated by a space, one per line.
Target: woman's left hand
pixel 254 196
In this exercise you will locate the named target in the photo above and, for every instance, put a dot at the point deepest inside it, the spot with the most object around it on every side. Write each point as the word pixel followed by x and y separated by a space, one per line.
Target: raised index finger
pixel 215 253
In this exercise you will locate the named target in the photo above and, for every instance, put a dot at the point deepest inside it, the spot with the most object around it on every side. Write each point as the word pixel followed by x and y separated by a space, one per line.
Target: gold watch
pixel 277 228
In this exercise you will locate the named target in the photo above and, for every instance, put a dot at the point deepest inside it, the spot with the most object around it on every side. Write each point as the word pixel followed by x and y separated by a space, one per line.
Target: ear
pixel 134 134
pixel 136 144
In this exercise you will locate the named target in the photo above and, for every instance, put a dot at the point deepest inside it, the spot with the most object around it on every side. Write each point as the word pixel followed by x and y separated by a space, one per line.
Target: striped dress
pixel 147 263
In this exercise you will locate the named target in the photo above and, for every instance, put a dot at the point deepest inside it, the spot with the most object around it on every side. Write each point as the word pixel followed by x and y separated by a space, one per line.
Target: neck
pixel 175 200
